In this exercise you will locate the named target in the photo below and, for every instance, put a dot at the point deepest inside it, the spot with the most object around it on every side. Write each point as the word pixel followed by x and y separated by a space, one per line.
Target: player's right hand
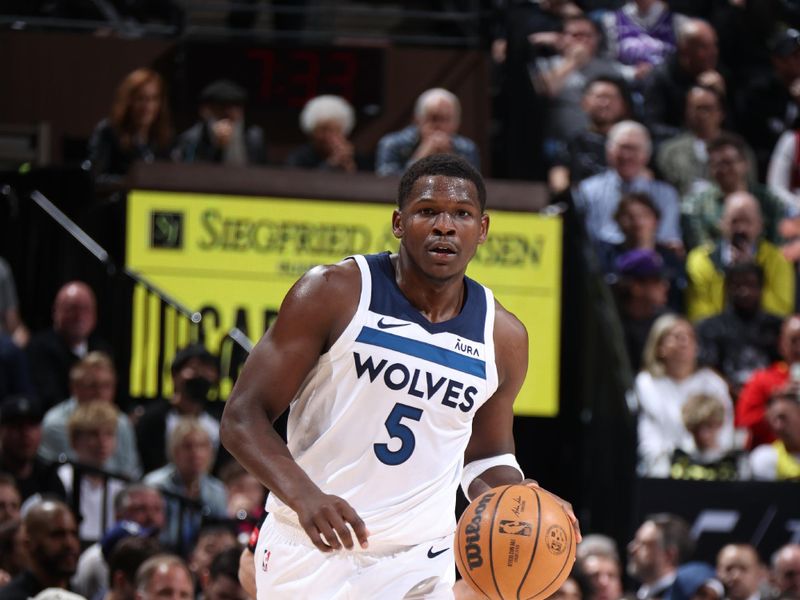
pixel 327 520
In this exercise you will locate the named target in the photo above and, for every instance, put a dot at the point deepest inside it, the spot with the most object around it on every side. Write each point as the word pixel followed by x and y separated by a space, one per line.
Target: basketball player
pixel 401 373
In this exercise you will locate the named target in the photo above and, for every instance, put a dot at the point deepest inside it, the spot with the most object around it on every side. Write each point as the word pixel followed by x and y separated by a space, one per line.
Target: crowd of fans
pixel 685 172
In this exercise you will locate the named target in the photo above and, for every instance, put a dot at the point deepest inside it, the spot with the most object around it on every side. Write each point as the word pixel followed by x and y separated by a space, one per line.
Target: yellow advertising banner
pixel 233 258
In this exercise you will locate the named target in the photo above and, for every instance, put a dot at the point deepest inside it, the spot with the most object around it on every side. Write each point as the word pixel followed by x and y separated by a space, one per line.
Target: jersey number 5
pixel 397 430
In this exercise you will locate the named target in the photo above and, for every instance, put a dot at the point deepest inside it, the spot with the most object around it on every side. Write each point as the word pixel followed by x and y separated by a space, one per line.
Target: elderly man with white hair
pixel 327 120
pixel 437 116
pixel 628 151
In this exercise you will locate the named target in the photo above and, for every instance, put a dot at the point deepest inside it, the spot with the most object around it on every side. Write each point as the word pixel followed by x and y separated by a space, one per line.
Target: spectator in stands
pixel 191 455
pixel 606 101
pixel 665 88
pixel 752 402
pixel 729 170
pixel 10 320
pixel 766 107
pixel 563 78
pixel 780 460
pixel 642 34
pixel 743 338
pixel 437 117
pixel 327 121
pixel 14 372
pixel 93 437
pixel 628 151
pixel 123 562
pixel 20 435
pixel 222 582
pixel 164 576
pixel 51 543
pixel 211 541
pixel 222 134
pixel 669 378
pixel 139 127
pixel 783 173
pixel 696 581
pixel 52 353
pixel 246 495
pixel 640 290
pixel 138 511
pixel 683 159
pixel 195 371
pixel 661 543
pixel 575 587
pixel 703 417
pixel 637 217
pixel 785 573
pixel 603 571
pixel 10 500
pixel 92 379
pixel 13 560
pixel 741 227
pixel 740 570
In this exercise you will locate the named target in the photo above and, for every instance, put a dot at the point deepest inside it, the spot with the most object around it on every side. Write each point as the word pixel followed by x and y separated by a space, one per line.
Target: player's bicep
pixel 306 323
pixel 492 427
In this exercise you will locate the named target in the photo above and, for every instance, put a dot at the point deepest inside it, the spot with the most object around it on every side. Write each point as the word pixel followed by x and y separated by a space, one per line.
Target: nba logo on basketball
pixel 265 562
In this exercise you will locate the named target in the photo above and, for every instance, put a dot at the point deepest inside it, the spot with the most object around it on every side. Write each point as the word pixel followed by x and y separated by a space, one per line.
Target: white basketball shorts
pixel 289 567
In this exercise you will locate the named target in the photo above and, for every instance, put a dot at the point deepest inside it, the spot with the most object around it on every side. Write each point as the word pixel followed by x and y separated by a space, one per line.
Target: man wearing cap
pixel 766 107
pixel 195 372
pixel 139 512
pixel 20 436
pixel 641 293
pixel 221 135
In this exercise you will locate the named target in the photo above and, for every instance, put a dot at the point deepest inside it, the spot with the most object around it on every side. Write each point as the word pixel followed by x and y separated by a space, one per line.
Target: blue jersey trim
pixel 429 352
pixel 387 299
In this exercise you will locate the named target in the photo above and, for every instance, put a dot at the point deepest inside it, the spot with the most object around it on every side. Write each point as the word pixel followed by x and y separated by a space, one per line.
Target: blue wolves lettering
pixel 420 384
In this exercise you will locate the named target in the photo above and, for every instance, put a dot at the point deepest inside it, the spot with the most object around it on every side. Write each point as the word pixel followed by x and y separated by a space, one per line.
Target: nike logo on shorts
pixel 383 325
pixel 432 554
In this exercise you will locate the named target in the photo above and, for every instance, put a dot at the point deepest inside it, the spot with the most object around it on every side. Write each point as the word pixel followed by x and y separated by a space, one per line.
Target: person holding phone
pixel 742 229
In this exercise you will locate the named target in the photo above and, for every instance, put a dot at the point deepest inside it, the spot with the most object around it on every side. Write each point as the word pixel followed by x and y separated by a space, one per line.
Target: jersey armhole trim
pixel 488 338
pixel 354 326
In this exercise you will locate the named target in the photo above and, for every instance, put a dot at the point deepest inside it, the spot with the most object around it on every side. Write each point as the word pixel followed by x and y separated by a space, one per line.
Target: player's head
pixel 446 165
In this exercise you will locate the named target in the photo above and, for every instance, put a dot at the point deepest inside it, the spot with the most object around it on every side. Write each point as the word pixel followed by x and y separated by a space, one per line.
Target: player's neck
pixel 437 300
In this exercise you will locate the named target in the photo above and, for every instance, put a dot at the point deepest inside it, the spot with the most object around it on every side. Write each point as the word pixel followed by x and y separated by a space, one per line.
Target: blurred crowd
pixel 671 128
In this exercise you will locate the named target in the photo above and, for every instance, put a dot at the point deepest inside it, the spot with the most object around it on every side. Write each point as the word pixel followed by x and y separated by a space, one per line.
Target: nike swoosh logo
pixel 382 325
pixel 432 554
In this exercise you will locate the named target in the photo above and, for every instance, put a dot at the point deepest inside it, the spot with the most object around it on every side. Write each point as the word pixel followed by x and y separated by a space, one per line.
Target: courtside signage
pixel 233 258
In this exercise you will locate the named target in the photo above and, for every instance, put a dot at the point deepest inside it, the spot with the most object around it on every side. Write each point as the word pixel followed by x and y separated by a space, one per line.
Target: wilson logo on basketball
pixel 473 534
pixel 556 539
pixel 515 528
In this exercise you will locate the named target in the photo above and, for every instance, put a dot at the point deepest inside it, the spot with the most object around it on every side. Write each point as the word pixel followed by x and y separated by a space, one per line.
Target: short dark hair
pixel 675 534
pixel 447 165
pixel 744 268
pixel 726 139
pixel 622 87
pixel 129 554
pixel 636 198
pixel 226 563
pixel 198 351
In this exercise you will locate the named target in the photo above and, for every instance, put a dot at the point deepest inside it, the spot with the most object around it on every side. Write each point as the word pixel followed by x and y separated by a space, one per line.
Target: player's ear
pixel 484 228
pixel 397 224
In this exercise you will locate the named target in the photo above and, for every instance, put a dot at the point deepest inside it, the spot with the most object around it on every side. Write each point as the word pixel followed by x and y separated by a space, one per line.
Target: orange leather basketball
pixel 515 541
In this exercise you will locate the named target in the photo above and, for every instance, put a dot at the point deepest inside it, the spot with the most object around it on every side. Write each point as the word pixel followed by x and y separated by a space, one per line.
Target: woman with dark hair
pixel 138 128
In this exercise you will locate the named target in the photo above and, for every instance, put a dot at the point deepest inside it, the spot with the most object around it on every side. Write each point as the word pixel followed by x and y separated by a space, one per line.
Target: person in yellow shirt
pixel 742 241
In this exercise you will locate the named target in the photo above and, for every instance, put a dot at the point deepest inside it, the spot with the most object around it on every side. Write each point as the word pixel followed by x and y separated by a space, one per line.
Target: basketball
pixel 515 541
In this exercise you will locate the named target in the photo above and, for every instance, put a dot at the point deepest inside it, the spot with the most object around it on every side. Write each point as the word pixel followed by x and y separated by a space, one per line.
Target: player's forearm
pixel 251 439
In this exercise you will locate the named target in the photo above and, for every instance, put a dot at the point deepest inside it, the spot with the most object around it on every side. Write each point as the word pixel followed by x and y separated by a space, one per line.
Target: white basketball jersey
pixel 384 417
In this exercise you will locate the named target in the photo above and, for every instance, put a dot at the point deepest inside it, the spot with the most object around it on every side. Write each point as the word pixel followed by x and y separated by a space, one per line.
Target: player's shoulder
pixel 507 327
pixel 325 279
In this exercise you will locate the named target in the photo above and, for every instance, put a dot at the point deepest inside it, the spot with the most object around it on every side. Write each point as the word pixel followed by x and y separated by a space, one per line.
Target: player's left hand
pixel 567 506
